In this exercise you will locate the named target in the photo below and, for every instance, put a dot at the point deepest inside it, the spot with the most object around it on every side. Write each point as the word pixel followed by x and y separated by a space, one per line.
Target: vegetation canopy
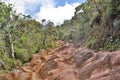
pixel 95 25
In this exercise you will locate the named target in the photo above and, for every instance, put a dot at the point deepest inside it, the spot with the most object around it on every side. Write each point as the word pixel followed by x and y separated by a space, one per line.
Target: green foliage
pixel 12 63
pixel 94 25
pixel 21 36
pixel 22 55
pixel 110 46
pixel 92 43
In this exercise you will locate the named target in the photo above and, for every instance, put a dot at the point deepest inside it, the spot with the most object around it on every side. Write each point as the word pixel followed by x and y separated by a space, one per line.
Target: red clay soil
pixel 69 63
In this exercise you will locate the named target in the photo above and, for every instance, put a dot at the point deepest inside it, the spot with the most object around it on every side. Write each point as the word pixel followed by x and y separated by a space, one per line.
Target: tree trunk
pixel 12 51
pixel 9 41
pixel 44 39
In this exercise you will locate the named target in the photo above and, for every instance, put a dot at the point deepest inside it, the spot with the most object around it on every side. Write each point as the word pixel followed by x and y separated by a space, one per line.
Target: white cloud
pixel 19 5
pixel 47 10
pixel 22 5
pixel 57 15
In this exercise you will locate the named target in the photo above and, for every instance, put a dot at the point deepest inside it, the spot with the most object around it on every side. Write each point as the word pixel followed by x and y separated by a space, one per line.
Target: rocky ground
pixel 69 63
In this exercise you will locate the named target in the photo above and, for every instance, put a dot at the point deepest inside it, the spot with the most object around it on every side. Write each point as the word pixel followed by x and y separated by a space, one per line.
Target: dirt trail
pixel 69 63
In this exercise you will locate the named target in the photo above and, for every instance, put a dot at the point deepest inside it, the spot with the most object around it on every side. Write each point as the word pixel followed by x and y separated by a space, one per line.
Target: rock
pixel 69 63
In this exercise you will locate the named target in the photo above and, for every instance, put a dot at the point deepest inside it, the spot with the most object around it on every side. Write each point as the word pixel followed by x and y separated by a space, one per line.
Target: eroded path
pixel 69 63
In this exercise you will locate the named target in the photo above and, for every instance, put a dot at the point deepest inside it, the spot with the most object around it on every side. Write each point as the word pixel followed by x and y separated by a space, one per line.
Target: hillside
pixel 95 25
pixel 69 63
pixel 87 47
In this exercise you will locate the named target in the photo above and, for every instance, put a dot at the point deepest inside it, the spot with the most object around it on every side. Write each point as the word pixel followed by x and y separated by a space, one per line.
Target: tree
pixel 7 27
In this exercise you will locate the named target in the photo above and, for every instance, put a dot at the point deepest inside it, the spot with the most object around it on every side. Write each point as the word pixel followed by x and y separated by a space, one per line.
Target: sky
pixel 54 10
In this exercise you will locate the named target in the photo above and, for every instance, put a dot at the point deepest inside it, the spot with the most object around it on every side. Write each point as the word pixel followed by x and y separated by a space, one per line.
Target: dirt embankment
pixel 69 63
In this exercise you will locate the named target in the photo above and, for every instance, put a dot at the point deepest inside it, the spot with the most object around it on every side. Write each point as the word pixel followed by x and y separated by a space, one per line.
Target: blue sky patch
pixel 63 2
